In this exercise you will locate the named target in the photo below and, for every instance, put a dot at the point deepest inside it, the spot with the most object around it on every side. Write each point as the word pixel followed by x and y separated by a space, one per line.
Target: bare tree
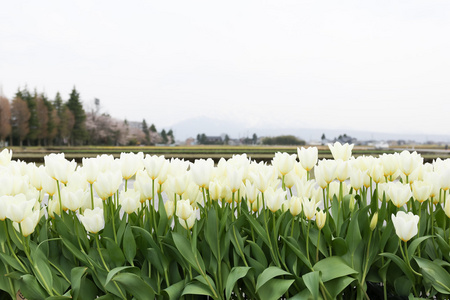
pixel 20 115
pixel 42 114
pixel 5 119
pixel 66 124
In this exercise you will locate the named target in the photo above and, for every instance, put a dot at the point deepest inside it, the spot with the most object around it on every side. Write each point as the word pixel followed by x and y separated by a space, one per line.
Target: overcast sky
pixel 370 65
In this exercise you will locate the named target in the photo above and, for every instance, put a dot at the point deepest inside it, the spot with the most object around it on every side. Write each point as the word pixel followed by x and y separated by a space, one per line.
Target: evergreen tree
pixel 33 121
pixel 59 108
pixel 153 128
pixel 164 136
pixel 79 133
pixel 172 138
pixel 146 132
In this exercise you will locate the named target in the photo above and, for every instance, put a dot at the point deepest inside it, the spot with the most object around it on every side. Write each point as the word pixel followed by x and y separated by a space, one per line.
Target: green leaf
pixel 75 277
pixel 197 288
pixel 293 245
pixel 114 271
pixel 30 288
pixel 274 289
pixel 336 286
pixel 184 247
pixel 260 232
pixel 437 275
pixel 129 245
pixel 339 245
pixel 269 273
pixel 353 237
pixel 75 251
pixel 401 264
pixel 42 268
pixel 402 286
pixel 211 233
pixel 163 220
pixel 10 261
pixel 174 291
pixel 235 274
pixel 312 281
pixel 258 253
pixel 135 285
pixel 414 244
pixel 333 267
pixel 114 251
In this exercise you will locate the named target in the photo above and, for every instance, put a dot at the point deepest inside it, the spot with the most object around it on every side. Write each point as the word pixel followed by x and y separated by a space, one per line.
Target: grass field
pixel 258 153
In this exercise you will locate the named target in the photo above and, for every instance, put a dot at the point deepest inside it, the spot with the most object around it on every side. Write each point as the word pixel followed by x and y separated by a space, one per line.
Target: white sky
pixel 368 65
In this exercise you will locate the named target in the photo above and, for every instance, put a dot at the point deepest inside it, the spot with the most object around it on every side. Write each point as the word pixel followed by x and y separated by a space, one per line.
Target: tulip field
pixel 294 227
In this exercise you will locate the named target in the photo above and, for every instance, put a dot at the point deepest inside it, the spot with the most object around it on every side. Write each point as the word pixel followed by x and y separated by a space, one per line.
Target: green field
pixel 258 153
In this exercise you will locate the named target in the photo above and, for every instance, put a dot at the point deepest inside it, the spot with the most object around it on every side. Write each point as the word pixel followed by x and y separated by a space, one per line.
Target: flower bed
pixel 363 228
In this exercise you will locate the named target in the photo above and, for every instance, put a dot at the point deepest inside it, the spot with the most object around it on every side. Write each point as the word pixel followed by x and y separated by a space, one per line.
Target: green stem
pixel 292 226
pixel 307 240
pixel 113 219
pixel 59 199
pixel 317 248
pixel 92 196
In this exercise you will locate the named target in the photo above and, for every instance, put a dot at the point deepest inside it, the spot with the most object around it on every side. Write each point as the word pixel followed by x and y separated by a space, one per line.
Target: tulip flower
pixel 19 208
pixel 29 223
pixel 93 220
pixel 5 157
pixel 405 225
pixel 409 161
pixel 189 222
pixel 90 169
pixel 295 206
pixel 130 163
pixel 216 190
pixel 73 199
pixel 130 200
pixel 274 198
pixel 421 190
pixel 202 171
pixel 321 218
pixel 389 163
pixel 327 170
pixel 357 178
pixel 309 207
pixel 399 194
pixel 154 165
pixel 342 170
pixel 58 167
pixel 262 177
pixel 308 157
pixel 170 208
pixel 4 203
pixel 184 209
pixel 284 162
pixel 108 183
pixel 340 151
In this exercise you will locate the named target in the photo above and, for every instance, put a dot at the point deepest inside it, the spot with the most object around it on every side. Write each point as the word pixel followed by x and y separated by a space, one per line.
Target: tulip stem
pixel 307 240
pixel 92 196
pixel 318 244
pixel 113 219
pixel 60 202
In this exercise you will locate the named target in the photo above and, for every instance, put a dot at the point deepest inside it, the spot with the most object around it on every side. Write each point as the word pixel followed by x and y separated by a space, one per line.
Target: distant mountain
pixel 215 127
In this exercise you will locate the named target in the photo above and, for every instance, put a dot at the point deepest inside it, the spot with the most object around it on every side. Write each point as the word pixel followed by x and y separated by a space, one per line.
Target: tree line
pixel 32 119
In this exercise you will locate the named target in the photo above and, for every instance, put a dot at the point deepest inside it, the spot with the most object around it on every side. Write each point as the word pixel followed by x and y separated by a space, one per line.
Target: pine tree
pixel 79 133
pixel 146 132
pixel 164 136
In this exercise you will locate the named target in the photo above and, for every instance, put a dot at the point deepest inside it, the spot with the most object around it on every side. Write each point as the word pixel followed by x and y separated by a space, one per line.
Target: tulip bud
pixel 374 221
pixel 321 218
pixel 184 209
pixel 295 206
pixel 170 208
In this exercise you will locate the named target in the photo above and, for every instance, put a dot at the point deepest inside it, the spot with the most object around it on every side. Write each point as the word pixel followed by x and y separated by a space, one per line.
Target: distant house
pixel 213 140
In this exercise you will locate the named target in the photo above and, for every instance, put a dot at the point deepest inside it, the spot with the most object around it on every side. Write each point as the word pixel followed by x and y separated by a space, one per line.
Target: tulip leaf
pixel 258 253
pixel 30 288
pixel 235 274
pixel 42 268
pixel 74 250
pixel 333 267
pixel 336 286
pixel 184 247
pixel 163 220
pixel 402 286
pixel 401 264
pixel 114 271
pixel 75 277
pixel 114 251
pixel 269 273
pixel 260 232
pixel 211 233
pixel 135 285
pixel 414 244
pixel 10 261
pixel 437 275
pixel 274 288
pixel 154 257
pixel 174 291
pixel 293 245
pixel 312 281
pixel 129 245
pixel 197 288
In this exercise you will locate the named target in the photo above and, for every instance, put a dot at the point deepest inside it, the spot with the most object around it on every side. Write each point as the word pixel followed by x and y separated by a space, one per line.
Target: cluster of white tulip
pixel 284 184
